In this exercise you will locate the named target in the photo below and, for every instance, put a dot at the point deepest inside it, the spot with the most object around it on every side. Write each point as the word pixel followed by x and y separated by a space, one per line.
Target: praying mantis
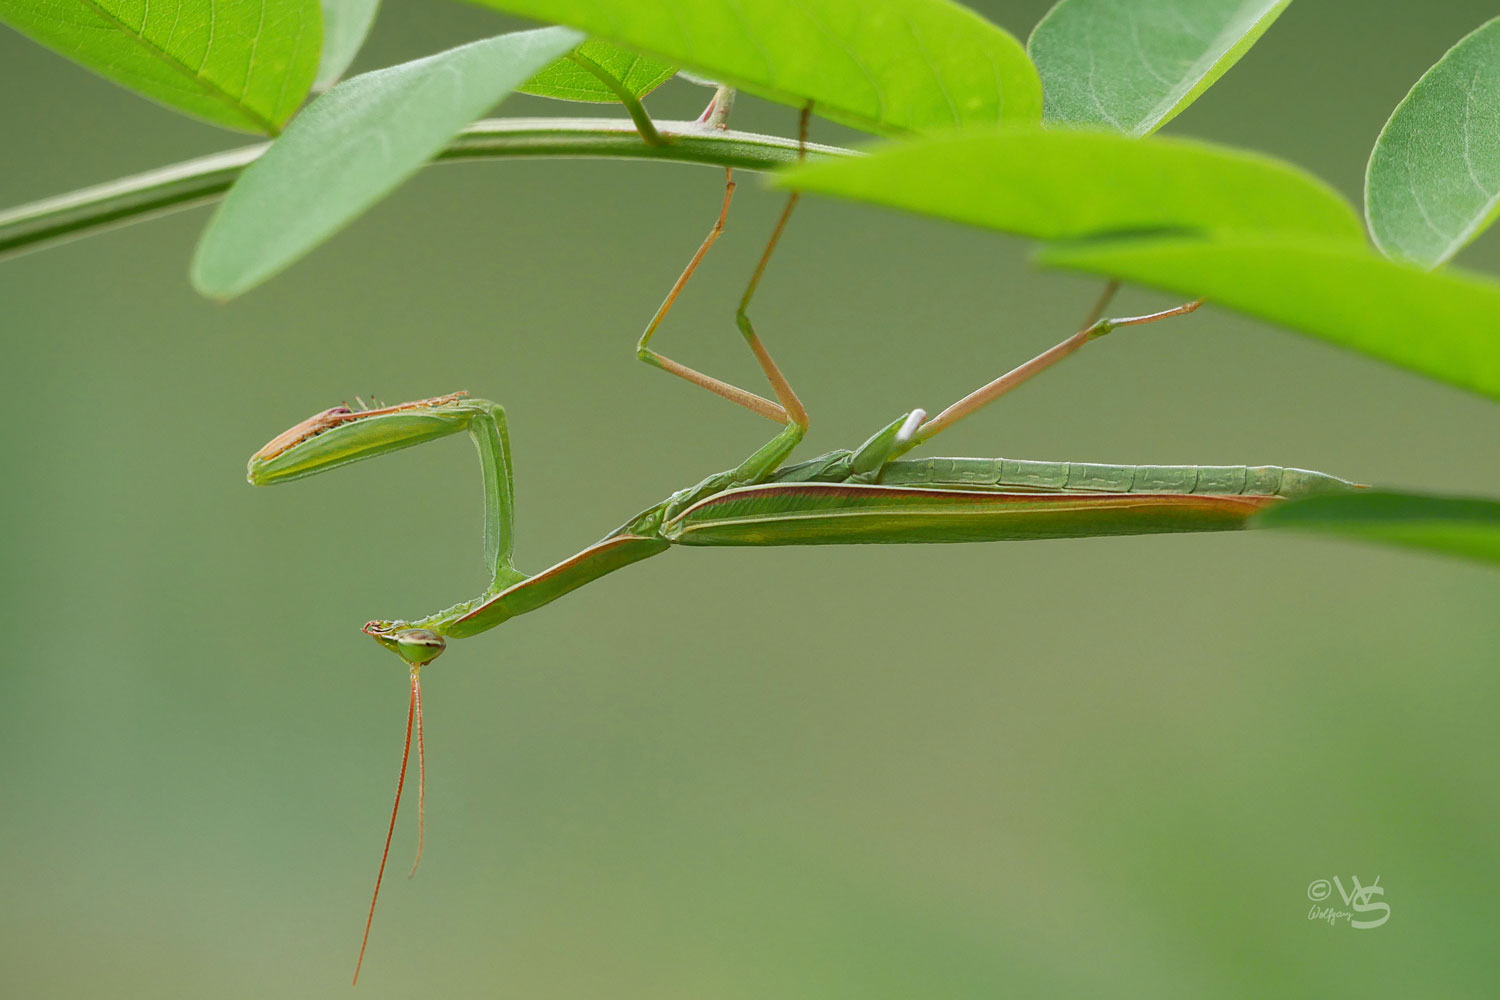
pixel 870 494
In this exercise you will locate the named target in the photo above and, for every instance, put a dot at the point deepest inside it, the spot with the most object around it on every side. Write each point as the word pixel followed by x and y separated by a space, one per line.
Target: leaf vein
pixel 932 69
pixel 1466 132
pixel 212 89
pixel 864 71
pixel 1140 54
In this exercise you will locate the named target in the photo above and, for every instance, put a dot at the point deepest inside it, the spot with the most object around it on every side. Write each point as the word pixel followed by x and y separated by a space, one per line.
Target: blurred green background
pixel 1084 768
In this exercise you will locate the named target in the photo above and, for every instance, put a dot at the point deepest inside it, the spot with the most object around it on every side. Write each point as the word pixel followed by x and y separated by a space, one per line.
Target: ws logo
pixel 1358 898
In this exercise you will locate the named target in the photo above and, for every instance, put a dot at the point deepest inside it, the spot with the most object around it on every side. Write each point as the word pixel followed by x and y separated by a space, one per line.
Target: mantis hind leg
pixel 1093 328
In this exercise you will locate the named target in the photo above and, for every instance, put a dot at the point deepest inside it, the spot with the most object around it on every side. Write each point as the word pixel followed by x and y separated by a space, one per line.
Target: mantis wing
pixel 840 513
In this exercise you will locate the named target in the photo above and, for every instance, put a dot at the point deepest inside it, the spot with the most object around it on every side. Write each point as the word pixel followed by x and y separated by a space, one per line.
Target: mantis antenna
pixel 417 644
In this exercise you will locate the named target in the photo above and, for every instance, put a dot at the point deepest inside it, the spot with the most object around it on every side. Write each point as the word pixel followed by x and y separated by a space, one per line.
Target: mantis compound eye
pixel 417 646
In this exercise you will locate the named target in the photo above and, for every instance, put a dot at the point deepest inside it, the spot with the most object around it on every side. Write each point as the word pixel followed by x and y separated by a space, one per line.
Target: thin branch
pixel 203 180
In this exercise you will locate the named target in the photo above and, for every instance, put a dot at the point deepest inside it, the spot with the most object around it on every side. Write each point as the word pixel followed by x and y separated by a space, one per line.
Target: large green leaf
pixel 1433 182
pixel 565 80
pixel 345 25
pixel 244 64
pixel 893 66
pixel 1457 525
pixel 1133 65
pixel 354 145
pixel 1440 323
pixel 1060 184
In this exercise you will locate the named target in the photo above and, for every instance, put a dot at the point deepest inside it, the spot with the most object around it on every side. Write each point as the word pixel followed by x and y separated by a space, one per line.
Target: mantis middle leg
pixel 788 408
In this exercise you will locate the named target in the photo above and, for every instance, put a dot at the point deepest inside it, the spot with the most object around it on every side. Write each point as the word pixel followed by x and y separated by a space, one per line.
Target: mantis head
pixel 417 646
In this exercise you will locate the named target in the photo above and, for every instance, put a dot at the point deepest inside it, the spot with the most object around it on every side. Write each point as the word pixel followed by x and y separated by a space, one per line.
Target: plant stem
pixel 633 107
pixel 202 180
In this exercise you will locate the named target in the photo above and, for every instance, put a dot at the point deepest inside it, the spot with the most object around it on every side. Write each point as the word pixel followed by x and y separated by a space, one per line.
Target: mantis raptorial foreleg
pixel 341 435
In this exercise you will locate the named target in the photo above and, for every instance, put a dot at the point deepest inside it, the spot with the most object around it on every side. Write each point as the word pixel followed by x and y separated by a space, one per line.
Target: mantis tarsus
pixel 868 494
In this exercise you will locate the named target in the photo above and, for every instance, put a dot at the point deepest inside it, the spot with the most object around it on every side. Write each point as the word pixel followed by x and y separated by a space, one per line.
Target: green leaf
pixel 1461 526
pixel 894 66
pixel 565 80
pixel 345 25
pixel 1441 324
pixel 1060 184
pixel 353 146
pixel 1433 183
pixel 243 64
pixel 1133 65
